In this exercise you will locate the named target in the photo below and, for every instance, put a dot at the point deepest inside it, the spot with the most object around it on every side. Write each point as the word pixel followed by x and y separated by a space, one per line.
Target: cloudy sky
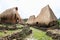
pixel 30 7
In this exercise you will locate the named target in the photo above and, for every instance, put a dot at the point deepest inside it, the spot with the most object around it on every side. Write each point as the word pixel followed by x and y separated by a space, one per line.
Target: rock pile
pixel 55 34
pixel 19 35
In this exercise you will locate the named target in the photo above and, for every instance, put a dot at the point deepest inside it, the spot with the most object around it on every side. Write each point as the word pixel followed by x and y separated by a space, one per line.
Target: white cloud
pixel 30 7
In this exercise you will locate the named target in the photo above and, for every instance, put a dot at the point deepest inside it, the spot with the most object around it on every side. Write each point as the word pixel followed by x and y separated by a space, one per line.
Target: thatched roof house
pixel 31 20
pixel 46 17
pixel 10 16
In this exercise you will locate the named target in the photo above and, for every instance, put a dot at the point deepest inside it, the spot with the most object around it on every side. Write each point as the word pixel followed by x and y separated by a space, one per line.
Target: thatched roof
pixel 31 19
pixel 9 12
pixel 11 15
pixel 46 16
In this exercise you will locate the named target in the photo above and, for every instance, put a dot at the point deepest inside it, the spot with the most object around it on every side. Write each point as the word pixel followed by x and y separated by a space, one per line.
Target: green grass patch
pixel 40 35
pixel 9 32
pixel 37 34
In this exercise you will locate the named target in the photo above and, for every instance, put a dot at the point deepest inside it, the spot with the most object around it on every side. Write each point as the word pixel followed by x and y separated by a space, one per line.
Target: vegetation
pixel 59 21
pixel 40 35
pixel 37 34
pixel 9 32
pixel 25 19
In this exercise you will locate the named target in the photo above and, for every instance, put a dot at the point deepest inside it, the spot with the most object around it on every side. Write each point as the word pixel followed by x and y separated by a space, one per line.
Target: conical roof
pixel 31 19
pixel 46 16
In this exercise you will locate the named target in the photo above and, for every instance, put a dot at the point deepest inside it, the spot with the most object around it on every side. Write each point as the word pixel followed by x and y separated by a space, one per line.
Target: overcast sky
pixel 30 7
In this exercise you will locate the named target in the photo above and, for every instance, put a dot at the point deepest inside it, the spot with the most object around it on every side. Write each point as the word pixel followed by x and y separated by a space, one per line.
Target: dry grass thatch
pixel 46 16
pixel 10 16
pixel 31 19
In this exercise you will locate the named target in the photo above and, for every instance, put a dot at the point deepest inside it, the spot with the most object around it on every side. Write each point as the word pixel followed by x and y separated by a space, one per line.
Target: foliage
pixel 59 22
pixel 25 19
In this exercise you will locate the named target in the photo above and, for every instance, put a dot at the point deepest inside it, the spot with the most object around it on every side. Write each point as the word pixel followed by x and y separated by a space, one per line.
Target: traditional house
pixel 46 17
pixel 31 20
pixel 10 16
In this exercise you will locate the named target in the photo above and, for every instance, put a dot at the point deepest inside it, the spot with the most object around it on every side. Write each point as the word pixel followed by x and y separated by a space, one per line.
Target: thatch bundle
pixel 31 20
pixel 46 17
pixel 10 16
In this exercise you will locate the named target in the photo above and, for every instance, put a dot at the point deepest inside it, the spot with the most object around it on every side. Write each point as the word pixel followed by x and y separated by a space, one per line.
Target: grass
pixel 9 32
pixel 37 34
pixel 40 35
